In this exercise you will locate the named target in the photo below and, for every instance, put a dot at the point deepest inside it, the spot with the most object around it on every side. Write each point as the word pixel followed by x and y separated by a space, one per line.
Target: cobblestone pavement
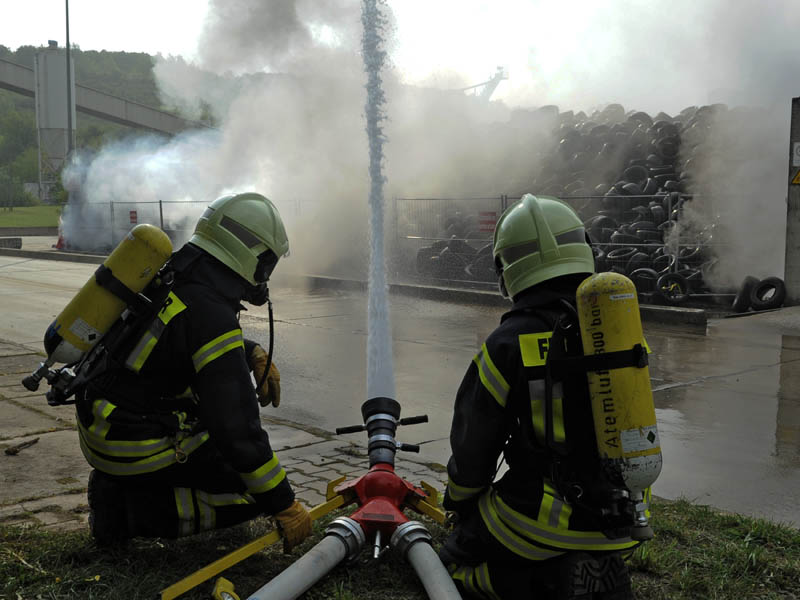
pixel 44 484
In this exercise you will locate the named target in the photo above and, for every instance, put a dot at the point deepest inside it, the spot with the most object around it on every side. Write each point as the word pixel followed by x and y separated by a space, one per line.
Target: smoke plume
pixel 285 83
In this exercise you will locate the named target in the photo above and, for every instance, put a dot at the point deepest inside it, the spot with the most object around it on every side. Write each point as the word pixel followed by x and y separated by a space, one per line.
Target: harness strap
pixel 105 278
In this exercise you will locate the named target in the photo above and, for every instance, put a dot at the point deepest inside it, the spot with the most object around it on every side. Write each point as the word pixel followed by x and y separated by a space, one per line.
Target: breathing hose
pixel 271 343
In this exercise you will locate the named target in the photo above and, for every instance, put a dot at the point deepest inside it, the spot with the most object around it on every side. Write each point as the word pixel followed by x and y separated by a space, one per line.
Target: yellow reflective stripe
pixel 217 347
pixel 101 409
pixel 491 377
pixel 95 436
pixel 536 390
pixel 558 421
pixel 464 575
pixel 553 510
pixel 544 533
pixel 227 499
pixel 126 448
pixel 145 465
pixel 264 478
pixel 141 352
pixel 185 506
pixel 646 347
pixel 533 347
pixel 208 514
pixel 506 536
pixel 172 306
pixel 461 492
pixel 484 581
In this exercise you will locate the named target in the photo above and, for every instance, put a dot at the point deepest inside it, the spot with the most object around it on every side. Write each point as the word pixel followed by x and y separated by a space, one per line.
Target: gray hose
pixel 343 538
pixel 431 572
pixel 309 568
pixel 413 541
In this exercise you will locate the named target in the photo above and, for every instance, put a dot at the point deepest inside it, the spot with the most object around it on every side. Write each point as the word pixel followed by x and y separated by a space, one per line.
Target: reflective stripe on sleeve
pixel 264 478
pixel 217 347
pixel 491 377
pixel 461 492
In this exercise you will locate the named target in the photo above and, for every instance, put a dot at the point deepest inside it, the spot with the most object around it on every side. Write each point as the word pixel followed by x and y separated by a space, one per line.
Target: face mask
pixel 257 295
pixel 266 264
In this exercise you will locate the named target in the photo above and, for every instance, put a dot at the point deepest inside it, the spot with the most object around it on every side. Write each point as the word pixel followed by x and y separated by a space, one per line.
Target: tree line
pixel 126 74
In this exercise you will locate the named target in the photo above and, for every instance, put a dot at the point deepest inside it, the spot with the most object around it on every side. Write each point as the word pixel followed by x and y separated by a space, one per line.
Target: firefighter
pixel 173 432
pixel 526 534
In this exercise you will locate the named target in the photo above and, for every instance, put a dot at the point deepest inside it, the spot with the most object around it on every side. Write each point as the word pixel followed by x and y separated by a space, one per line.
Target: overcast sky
pixel 645 54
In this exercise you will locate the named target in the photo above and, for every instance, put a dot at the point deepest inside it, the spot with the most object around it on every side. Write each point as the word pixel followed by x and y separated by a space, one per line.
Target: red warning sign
pixel 134 218
pixel 487 220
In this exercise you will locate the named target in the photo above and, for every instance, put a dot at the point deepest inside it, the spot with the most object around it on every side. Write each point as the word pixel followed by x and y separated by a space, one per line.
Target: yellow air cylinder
pixel 622 399
pixel 134 262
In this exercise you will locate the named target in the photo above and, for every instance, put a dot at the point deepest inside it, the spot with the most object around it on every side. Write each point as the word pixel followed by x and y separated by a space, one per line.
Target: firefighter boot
pixel 108 520
pixel 594 577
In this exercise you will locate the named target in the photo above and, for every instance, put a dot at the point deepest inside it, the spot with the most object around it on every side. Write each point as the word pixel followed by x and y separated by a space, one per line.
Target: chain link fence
pixel 447 241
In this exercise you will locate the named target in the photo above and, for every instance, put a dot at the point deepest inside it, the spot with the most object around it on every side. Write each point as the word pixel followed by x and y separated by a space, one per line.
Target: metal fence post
pixel 161 214
pixel 111 204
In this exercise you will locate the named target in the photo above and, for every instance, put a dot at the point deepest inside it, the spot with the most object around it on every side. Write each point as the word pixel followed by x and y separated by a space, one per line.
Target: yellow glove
pixel 295 525
pixel 270 392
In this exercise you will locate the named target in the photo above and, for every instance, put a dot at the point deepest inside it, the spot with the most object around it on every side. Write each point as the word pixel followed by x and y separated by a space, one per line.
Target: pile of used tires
pixel 628 174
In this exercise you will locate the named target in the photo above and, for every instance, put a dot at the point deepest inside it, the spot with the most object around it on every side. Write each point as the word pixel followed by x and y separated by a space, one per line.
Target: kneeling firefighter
pixel 560 521
pixel 172 425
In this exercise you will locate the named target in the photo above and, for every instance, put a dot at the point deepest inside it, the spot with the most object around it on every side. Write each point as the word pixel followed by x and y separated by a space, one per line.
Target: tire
pixel 624 238
pixel 644 279
pixel 619 257
pixel 673 288
pixel 741 301
pixel 768 293
pixel 639 260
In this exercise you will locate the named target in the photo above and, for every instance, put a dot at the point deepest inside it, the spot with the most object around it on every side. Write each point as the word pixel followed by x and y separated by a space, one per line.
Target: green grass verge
pixel 30 216
pixel 698 553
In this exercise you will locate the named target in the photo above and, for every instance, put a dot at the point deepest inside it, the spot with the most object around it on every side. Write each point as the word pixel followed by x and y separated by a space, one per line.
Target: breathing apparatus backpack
pixel 117 302
pixel 601 448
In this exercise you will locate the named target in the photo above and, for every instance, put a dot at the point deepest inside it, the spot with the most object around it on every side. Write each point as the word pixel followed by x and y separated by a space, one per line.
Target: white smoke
pixel 286 85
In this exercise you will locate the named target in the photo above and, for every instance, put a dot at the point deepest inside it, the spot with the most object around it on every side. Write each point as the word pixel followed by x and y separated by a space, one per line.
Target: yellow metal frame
pixel 238 555
pixel 427 506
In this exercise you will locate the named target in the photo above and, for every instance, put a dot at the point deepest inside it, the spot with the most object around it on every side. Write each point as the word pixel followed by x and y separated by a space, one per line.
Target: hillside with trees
pixel 125 74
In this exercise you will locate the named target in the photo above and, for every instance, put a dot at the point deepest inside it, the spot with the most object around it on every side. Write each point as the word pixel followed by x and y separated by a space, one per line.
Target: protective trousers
pixel 202 494
pixel 483 568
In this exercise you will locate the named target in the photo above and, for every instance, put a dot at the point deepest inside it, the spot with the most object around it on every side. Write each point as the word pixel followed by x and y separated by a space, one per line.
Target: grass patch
pixel 30 216
pixel 697 553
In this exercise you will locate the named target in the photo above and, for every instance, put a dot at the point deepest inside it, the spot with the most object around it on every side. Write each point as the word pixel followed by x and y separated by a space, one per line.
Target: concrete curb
pixel 695 319
pixel 26 231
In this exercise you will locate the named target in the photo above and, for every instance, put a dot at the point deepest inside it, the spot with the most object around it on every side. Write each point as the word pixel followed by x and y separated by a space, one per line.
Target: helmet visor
pixel 266 265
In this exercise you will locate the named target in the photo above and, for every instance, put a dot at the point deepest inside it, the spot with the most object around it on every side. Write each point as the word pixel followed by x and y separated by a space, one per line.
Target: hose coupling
pixel 408 534
pixel 350 533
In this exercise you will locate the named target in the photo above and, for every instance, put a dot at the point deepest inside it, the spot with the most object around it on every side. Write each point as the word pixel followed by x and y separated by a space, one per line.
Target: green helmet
pixel 237 229
pixel 538 239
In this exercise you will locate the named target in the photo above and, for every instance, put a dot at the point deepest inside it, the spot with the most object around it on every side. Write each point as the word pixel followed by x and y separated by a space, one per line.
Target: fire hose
pixel 381 496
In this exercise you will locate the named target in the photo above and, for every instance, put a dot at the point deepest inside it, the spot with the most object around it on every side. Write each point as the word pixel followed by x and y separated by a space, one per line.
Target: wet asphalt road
pixel 727 402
